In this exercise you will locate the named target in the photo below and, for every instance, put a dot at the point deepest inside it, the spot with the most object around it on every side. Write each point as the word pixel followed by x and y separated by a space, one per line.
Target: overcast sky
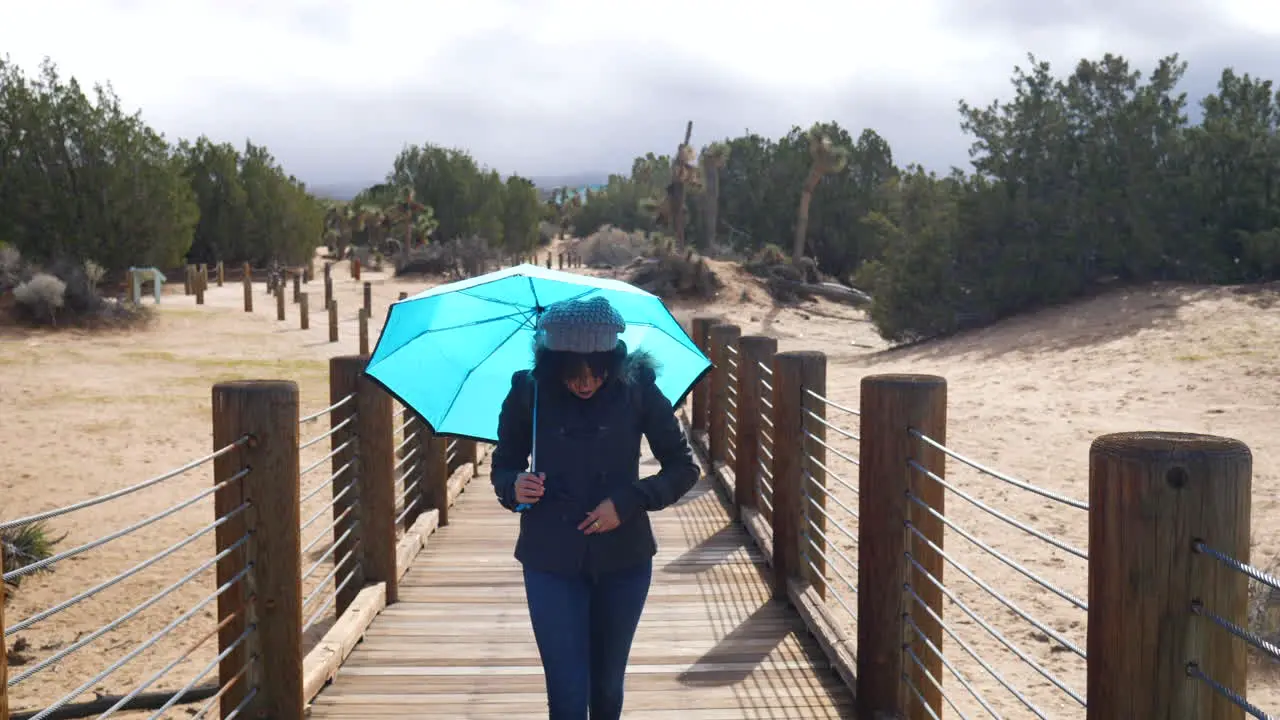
pixel 335 88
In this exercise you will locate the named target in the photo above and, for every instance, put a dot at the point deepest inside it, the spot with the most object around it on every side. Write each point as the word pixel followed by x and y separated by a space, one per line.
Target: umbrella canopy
pixel 449 352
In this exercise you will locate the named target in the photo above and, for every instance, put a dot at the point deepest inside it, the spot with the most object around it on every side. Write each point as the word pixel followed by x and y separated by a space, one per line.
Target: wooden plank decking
pixel 711 645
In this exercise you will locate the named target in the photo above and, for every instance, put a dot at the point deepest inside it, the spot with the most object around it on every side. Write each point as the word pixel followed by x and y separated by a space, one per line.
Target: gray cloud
pixel 520 107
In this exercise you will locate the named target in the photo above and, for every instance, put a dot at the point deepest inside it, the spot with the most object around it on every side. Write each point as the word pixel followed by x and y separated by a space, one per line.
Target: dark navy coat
pixel 590 451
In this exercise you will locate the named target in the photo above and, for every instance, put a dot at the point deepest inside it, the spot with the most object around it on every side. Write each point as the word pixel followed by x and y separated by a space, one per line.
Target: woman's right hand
pixel 529 487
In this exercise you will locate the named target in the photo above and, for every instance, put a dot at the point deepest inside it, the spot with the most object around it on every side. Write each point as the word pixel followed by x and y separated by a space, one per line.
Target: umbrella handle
pixel 533 448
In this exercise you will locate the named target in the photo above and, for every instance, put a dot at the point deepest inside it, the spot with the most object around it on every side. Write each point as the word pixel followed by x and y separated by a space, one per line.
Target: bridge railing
pixel 311 529
pixel 1141 591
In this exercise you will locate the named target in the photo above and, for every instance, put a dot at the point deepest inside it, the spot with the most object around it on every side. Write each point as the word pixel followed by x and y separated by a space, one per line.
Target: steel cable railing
pixel 93 657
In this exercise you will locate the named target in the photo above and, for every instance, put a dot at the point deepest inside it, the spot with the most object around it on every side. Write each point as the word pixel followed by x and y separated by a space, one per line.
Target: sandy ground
pixel 84 415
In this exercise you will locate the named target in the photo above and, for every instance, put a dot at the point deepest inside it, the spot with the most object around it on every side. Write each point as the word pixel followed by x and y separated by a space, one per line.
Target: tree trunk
pixel 677 200
pixel 711 209
pixel 802 216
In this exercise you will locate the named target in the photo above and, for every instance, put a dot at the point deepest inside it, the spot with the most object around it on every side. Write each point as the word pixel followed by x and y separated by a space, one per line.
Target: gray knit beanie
pixel 581 326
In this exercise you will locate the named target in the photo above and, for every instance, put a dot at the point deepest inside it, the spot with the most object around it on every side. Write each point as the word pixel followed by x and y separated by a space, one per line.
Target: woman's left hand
pixel 603 519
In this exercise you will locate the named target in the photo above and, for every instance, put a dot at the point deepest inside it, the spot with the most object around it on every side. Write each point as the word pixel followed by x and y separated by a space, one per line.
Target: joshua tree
pixel 712 159
pixel 828 158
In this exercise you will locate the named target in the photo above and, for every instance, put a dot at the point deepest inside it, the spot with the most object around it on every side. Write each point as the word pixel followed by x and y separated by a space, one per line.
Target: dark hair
pixel 558 365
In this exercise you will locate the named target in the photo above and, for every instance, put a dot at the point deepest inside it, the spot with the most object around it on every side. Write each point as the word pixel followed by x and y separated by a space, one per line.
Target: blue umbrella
pixel 449 352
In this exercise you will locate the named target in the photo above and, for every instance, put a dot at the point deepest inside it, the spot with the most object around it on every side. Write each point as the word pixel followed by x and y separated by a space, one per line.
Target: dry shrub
pixel 672 276
pixel 610 247
pixel 65 294
pixel 458 258
pixel 782 277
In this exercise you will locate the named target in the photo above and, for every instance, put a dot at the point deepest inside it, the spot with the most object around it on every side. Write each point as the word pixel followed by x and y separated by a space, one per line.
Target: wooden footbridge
pixel 349 565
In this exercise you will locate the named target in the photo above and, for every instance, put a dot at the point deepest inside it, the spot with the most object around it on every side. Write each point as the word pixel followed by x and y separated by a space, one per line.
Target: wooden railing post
pixel 247 281
pixel 368 298
pixel 333 320
pixel 1152 497
pixel 789 372
pixel 364 331
pixel 280 302
pixel 259 491
pixel 344 382
pixel 375 428
pixel 719 339
pixel 200 282
pixel 4 649
pixel 222 273
pixel 297 287
pixel 328 284
pixel 701 329
pixel 893 408
pixel 304 311
pixel 813 464
pixel 187 286
pixel 435 468
pixel 753 351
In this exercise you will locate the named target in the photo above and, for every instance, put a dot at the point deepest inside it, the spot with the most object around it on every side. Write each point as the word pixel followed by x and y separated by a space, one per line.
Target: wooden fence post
pixel 435 471
pixel 280 302
pixel 560 261
pixel 376 429
pixel 200 284
pixel 368 298
pixel 304 312
pixel 893 408
pixel 4 649
pixel 720 338
pixel 753 351
pixel 701 329
pixel 259 489
pixel 333 321
pixel 1153 497
pixel 813 463
pixel 328 285
pixel 789 372
pixel 297 287
pixel 364 332
pixel 222 273
pixel 247 280
pixel 344 378
pixel 187 272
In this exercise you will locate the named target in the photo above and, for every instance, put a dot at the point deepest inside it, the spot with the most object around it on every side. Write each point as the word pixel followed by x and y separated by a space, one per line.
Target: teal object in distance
pixel 449 352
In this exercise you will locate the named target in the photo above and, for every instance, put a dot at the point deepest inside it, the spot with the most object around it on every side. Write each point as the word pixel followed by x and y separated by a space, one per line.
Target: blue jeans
pixel 584 626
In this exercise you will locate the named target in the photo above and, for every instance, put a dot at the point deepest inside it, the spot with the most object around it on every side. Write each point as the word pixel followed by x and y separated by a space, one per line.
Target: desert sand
pixel 81 415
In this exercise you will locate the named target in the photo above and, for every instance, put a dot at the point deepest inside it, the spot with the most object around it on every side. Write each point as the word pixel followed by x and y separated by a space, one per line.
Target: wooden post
pixel 753 351
pixel 264 504
pixel 280 302
pixel 893 406
pixel 813 463
pixel 187 273
pixel 789 372
pixel 297 287
pixel 1152 498
pixel 701 391
pixel 548 261
pixel 344 377
pixel 364 332
pixel 355 269
pixel 247 280
pixel 333 321
pixel 376 429
pixel 304 315
pixel 328 284
pixel 4 651
pixel 200 284
pixel 368 298
pixel 222 273
pixel 560 261
pixel 720 340
pixel 435 472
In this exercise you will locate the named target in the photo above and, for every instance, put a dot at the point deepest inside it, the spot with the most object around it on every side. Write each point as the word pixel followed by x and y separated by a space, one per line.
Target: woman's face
pixel 584 384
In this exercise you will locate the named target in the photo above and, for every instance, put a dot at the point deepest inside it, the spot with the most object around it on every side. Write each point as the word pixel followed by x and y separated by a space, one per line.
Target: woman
pixel 585 541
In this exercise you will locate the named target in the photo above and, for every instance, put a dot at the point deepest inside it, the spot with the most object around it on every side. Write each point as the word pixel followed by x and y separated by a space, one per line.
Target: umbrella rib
pixel 496 301
pixel 475 367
